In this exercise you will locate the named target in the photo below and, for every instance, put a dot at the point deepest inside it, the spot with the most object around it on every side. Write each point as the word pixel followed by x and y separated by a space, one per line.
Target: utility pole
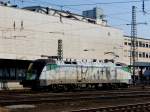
pixel 134 43
pixel 143 7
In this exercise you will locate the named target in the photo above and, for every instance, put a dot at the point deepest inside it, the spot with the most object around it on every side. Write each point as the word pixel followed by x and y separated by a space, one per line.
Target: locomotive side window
pixel 51 66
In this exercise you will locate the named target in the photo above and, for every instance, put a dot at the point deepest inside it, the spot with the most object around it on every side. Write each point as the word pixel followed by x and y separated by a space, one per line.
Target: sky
pixel 118 14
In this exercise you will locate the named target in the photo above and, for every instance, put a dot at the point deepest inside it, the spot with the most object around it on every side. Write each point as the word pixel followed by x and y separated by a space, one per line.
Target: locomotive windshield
pixel 35 68
pixel 31 72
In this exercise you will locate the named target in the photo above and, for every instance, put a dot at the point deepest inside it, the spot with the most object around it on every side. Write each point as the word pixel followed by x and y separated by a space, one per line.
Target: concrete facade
pixel 26 35
pixel 143 49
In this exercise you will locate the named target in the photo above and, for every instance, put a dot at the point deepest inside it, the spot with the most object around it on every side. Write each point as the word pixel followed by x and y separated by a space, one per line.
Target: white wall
pixel 41 32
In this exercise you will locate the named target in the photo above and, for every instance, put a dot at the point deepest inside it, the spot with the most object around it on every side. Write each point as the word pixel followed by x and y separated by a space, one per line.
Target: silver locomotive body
pixel 59 72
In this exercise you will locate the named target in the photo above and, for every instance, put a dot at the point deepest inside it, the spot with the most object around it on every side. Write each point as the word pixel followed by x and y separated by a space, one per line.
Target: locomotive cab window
pixel 31 72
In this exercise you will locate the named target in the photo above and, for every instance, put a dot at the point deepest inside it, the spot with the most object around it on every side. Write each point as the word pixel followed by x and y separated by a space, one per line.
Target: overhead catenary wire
pixel 103 3
pixel 84 4
pixel 41 2
pixel 66 6
pixel 88 4
pixel 112 17
pixel 71 6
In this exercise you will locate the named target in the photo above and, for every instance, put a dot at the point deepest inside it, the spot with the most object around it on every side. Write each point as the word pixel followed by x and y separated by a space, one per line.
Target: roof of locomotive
pixel 85 62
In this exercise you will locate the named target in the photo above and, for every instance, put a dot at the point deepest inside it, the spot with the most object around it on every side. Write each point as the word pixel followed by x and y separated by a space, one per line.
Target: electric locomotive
pixel 71 74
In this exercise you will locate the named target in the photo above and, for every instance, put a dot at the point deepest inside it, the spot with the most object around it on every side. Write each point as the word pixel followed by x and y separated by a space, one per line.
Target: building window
pixel 140 54
pixel 125 43
pixel 137 44
pixel 136 54
pixel 143 44
pixel 146 55
pixel 140 44
pixel 147 45
pixel 143 54
pixel 129 44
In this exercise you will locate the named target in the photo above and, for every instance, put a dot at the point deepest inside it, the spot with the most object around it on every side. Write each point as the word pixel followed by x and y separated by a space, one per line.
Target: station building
pixel 32 32
pixel 143 50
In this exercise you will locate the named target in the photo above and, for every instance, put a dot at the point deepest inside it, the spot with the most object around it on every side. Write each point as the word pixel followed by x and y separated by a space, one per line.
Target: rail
pixel 32 98
pixel 140 107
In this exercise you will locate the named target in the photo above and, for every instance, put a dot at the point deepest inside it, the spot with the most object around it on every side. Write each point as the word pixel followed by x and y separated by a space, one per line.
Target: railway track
pixel 85 101
pixel 140 107
pixel 11 99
